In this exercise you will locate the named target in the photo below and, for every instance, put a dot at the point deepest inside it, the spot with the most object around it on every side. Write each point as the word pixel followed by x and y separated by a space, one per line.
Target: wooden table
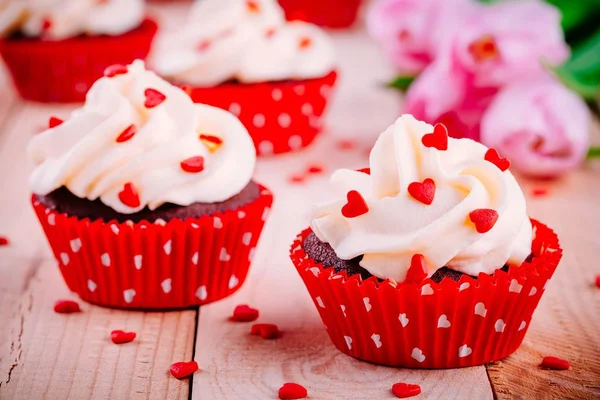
pixel 47 355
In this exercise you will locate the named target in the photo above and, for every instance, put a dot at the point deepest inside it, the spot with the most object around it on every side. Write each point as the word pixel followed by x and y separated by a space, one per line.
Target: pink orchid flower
pixel 541 126
pixel 411 32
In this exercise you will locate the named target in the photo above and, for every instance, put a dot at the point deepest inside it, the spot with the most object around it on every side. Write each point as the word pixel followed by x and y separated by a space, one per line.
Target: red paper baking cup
pixel 63 71
pixel 160 265
pixel 431 325
pixel 280 116
pixel 327 13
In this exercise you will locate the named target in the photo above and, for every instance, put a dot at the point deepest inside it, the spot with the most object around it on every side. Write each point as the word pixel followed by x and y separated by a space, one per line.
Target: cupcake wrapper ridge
pixel 63 71
pixel 280 116
pixel 431 325
pixel 159 265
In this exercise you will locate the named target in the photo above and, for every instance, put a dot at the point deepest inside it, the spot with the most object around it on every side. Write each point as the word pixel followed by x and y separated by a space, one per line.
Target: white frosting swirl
pixel 61 19
pixel 247 40
pixel 397 226
pixel 83 154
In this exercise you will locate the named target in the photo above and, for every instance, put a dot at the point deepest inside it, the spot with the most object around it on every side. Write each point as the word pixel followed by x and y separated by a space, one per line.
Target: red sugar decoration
pixel 244 313
pixel 550 362
pixel 204 45
pixel 187 89
pixel 492 156
pixel 129 196
pixel 253 6
pixel 114 70
pixel 365 171
pixel 404 390
pixel 438 138
pixel 539 192
pixel 304 43
pixel 346 144
pixel 183 369
pixel 46 24
pixel 291 391
pixel 193 164
pixel 315 169
pixel 297 178
pixel 423 192
pixel 127 134
pixel 53 122
pixel 598 281
pixel 270 32
pixel 418 269
pixel 120 337
pixel 4 241
pixel 66 307
pixel 266 331
pixel 153 98
pixel 211 138
pixel 484 219
pixel 356 205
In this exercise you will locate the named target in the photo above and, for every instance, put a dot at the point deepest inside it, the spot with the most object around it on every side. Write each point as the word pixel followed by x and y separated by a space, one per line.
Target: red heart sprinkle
pixel 153 98
pixel 492 156
pixel 554 363
pixel 304 42
pixel 53 122
pixel 244 313
pixel 484 219
pixel 356 205
pixel 127 134
pixel 437 139
pixel 253 6
pixel 365 171
pixel 183 369
pixel 404 390
pixel 598 281
pixel 114 70
pixel 539 192
pixel 315 169
pixel 46 24
pixel 417 271
pixel 423 192
pixel 66 307
pixel 204 45
pixel 120 337
pixel 270 32
pixel 193 164
pixel 296 178
pixel 4 241
pixel 211 138
pixel 266 331
pixel 129 196
pixel 292 391
pixel 346 144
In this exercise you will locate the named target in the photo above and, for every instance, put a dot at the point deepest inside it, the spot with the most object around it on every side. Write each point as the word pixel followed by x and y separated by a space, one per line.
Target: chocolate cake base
pixel 63 201
pixel 323 253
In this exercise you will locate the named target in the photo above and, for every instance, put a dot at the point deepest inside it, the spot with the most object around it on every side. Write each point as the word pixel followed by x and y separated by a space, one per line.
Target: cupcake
pixel 56 49
pixel 147 199
pixel 242 56
pixel 327 13
pixel 427 259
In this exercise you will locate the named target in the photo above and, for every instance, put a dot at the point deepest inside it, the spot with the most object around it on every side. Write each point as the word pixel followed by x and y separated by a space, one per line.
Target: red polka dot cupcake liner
pixel 327 13
pixel 63 71
pixel 431 325
pixel 159 265
pixel 280 116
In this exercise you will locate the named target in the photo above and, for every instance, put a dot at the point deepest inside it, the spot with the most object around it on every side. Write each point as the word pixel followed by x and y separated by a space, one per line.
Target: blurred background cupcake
pixel 243 56
pixel 56 49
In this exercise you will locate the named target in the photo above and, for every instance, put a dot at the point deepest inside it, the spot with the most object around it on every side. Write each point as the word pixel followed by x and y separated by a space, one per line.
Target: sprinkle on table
pixel 266 331
pixel 66 307
pixel 4 241
pixel 244 313
pixel 550 362
pixel 183 369
pixel 121 337
pixel 404 390
pixel 292 391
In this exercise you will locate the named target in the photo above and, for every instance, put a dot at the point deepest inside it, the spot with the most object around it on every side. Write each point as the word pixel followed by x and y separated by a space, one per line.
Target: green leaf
pixel 593 152
pixel 401 82
pixel 582 72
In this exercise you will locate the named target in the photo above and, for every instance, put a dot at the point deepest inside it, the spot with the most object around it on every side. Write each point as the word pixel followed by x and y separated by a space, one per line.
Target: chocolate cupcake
pixel 147 198
pixel 243 56
pixel 427 259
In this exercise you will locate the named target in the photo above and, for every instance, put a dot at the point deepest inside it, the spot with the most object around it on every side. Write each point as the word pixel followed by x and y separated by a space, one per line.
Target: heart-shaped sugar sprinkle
pixel 244 313
pixel 404 390
pixel 356 205
pixel 120 337
pixel 484 219
pixel 292 391
pixel 417 271
pixel 492 156
pixel 193 165
pixel 212 142
pixel 114 70
pixel 129 196
pixel 127 134
pixel 438 139
pixel 304 43
pixel 423 192
pixel 53 122
pixel 252 6
pixel 183 369
pixel 153 98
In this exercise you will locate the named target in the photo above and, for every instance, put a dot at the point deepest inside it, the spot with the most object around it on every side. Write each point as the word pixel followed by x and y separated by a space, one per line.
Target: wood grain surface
pixel 46 355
